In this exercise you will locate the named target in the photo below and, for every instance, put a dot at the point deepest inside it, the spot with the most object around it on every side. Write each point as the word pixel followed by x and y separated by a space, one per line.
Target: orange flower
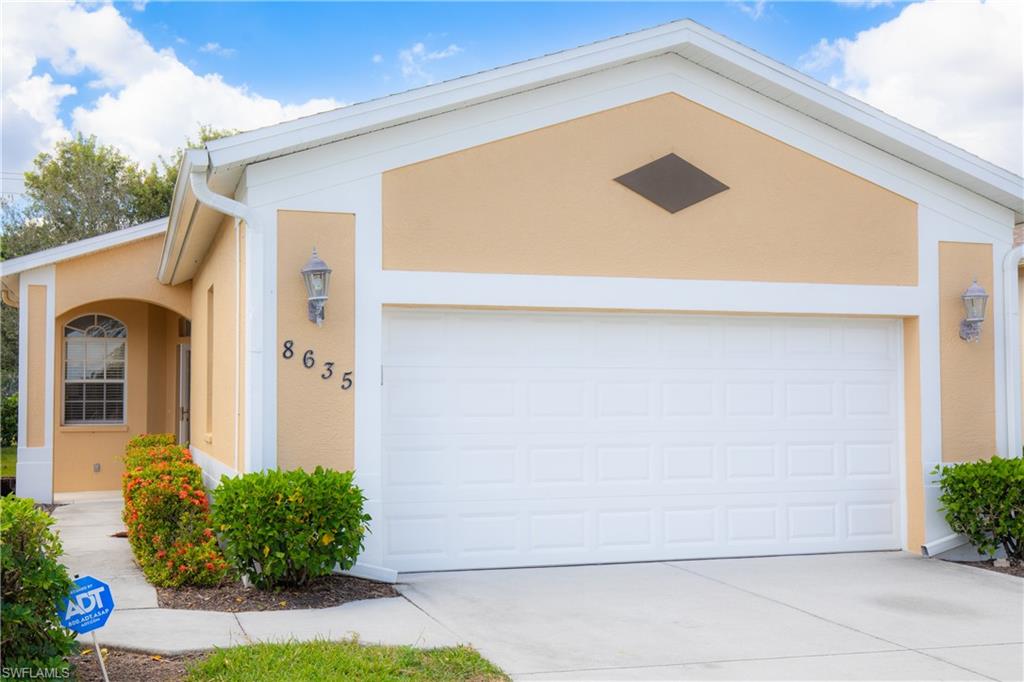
pixel 182 568
pixel 209 566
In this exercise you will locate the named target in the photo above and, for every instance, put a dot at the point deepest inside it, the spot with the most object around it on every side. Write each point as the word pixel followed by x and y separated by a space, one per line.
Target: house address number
pixel 309 362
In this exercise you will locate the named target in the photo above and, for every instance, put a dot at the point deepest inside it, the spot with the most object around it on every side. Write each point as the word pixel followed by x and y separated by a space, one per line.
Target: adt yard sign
pixel 88 607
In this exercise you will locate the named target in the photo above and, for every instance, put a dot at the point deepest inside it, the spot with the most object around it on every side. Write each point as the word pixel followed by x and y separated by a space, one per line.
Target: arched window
pixel 94 370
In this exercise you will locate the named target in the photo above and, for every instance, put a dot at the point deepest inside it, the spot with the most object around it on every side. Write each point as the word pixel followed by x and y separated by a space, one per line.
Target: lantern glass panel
pixel 975 306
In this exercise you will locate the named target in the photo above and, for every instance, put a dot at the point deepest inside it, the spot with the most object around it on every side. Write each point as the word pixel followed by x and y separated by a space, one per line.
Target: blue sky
pixel 144 75
pixel 293 51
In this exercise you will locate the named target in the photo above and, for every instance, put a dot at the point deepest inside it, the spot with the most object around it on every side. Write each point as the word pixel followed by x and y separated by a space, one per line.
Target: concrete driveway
pixel 886 615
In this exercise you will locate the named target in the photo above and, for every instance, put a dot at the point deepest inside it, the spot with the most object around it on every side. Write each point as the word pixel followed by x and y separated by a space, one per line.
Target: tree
pixel 81 189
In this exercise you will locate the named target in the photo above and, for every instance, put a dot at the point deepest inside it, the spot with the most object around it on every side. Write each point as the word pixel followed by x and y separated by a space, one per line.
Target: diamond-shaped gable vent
pixel 672 183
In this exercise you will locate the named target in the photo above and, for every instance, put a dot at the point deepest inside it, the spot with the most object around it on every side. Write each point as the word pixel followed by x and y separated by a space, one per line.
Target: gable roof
pixel 83 247
pixel 228 156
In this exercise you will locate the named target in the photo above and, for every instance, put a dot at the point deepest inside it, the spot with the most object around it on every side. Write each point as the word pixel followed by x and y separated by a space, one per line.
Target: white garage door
pixel 536 438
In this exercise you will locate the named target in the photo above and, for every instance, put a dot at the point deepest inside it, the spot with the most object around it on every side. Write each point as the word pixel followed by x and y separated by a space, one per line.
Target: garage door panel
pixel 434 536
pixel 467 400
pixel 559 339
pixel 571 465
pixel 516 466
pixel 515 438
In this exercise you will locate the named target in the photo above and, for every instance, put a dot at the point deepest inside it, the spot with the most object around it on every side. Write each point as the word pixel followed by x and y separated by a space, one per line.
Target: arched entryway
pixel 122 369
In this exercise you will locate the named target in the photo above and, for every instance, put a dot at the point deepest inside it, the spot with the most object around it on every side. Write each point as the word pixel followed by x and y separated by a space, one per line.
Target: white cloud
pixel 377 58
pixel 870 4
pixel 147 101
pixel 823 55
pixel 754 9
pixel 218 49
pixel 415 58
pixel 952 69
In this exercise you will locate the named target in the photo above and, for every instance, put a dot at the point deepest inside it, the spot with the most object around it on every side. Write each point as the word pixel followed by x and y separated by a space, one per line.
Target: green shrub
pixel 285 527
pixel 9 421
pixel 984 501
pixel 167 514
pixel 32 585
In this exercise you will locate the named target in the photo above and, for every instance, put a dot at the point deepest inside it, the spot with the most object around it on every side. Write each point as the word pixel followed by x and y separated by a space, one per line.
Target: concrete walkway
pixel 86 525
pixel 868 616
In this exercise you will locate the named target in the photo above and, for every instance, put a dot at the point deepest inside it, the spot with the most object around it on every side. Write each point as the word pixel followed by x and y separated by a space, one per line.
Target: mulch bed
pixel 126 665
pixel 332 590
pixel 1016 569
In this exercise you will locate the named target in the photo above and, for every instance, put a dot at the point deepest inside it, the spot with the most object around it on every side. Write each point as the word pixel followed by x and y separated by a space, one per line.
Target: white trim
pixel 35 464
pixel 901 409
pixel 83 247
pixel 263 410
pixel 256 457
pixel 239 353
pixel 401 287
pixel 943 544
pixel 212 468
pixel 22 360
pixel 1011 348
pixel 378 573
pixel 685 38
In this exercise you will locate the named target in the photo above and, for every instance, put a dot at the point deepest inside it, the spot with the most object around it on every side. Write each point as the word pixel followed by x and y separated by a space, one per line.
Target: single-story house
pixel 657 297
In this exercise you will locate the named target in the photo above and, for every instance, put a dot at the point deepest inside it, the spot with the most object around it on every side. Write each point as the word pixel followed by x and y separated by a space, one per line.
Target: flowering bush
pixel 150 440
pixel 168 515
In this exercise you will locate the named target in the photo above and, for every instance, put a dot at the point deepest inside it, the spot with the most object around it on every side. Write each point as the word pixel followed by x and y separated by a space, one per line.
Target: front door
pixel 184 390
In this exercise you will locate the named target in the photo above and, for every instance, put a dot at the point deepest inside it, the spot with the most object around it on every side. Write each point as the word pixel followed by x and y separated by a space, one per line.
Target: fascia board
pixel 83 247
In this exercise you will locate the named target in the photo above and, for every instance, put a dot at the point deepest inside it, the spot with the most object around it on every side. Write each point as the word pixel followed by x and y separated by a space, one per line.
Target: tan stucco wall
pixel 156 403
pixel 162 414
pixel 216 438
pixel 78 447
pixel 967 370
pixel 35 427
pixel 912 428
pixel 315 418
pixel 125 272
pixel 545 202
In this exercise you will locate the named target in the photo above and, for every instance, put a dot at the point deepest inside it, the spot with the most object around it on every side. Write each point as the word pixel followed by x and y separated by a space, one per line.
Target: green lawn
pixel 8 457
pixel 343 661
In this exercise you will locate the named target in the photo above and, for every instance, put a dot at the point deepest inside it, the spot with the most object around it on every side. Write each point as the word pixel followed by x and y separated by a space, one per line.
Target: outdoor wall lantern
pixel 974 297
pixel 317 277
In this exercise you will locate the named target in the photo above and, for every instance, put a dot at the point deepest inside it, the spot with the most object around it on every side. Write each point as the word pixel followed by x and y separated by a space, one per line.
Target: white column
pixel 35 464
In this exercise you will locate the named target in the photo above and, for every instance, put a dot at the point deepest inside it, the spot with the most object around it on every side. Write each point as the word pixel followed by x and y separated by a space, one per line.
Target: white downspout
pixel 240 212
pixel 1011 348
